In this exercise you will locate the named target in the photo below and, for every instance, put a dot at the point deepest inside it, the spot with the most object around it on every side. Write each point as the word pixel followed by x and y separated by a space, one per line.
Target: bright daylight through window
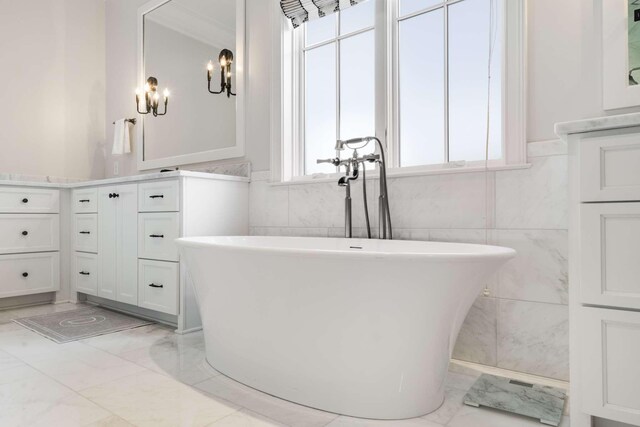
pixel 435 86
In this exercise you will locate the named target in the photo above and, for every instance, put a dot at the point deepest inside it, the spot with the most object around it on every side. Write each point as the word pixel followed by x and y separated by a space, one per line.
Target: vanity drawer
pixel 610 168
pixel 29 200
pixel 610 341
pixel 85 233
pixel 158 286
pixel 610 254
pixel 160 196
pixel 29 233
pixel 157 232
pixel 85 200
pixel 84 273
pixel 29 274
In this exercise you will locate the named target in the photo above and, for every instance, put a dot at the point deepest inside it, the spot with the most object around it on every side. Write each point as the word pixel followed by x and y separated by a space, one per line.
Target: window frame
pixel 287 138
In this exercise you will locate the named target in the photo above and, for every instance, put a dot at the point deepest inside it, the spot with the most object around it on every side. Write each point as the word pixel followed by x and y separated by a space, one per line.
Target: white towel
pixel 121 140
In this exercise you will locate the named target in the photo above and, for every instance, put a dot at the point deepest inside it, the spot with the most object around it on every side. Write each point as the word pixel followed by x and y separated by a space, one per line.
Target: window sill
pixel 405 172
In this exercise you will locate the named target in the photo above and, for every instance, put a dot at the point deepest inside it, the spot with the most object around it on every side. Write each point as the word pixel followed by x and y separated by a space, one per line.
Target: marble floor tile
pixel 451 405
pixel 18 373
pixel 133 339
pixel 79 370
pixel 140 377
pixel 343 421
pixel 151 399
pixel 279 410
pixel 29 346
pixel 186 364
pixel 460 380
pixel 8 315
pixel 484 417
pixel 41 401
pixel 8 362
pixel 246 418
pixel 110 421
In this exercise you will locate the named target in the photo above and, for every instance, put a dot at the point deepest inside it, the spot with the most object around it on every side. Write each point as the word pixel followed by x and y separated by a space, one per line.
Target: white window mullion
pixel 446 82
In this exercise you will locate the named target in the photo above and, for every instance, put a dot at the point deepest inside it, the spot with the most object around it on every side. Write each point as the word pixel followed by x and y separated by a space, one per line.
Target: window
pixel 338 82
pixel 415 74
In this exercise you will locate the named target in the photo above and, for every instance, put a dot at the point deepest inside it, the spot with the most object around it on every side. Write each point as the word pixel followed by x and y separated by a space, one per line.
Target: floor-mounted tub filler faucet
pixel 352 166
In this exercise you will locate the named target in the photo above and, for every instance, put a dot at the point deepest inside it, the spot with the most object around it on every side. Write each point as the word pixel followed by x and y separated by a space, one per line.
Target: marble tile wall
pixel 523 324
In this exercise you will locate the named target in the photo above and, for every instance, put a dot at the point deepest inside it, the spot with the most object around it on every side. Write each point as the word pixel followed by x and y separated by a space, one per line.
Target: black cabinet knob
pixel 84 201
pixel 157 236
pixel 84 273
pixel 153 285
pixel 25 200
pixel 157 196
pixel 25 274
pixel 85 232
pixel 25 233
pixel 116 195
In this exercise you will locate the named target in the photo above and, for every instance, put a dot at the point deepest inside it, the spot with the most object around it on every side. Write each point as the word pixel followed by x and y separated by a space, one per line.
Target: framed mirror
pixel 176 41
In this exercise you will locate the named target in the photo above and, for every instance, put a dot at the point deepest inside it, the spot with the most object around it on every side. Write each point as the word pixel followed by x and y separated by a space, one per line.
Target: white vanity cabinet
pixel 135 266
pixel 29 240
pixel 604 261
pixel 112 242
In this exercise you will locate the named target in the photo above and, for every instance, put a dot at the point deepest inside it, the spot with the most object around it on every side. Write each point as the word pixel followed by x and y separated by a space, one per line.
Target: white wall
pixel 52 99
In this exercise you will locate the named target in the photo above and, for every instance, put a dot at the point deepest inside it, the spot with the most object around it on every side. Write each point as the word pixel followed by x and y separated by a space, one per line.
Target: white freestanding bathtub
pixel 357 327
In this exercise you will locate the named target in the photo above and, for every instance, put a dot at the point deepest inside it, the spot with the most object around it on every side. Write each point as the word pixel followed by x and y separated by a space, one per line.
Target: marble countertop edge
pixel 596 124
pixel 47 182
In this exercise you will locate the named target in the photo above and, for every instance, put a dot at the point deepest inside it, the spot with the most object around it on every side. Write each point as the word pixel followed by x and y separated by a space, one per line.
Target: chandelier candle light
pixel 152 98
pixel 226 59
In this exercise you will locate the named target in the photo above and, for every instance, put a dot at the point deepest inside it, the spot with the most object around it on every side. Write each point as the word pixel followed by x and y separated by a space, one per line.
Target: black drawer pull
pixel 25 274
pixel 157 236
pixel 84 273
pixel 25 200
pixel 84 201
pixel 153 285
pixel 85 232
pixel 113 195
pixel 157 196
pixel 25 233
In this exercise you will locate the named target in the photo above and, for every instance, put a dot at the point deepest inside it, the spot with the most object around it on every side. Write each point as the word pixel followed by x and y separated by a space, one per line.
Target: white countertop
pixel 598 123
pixel 31 181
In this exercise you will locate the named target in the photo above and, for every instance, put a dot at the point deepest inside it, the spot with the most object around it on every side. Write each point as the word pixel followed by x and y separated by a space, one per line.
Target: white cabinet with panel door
pixel 118 243
pixel 604 270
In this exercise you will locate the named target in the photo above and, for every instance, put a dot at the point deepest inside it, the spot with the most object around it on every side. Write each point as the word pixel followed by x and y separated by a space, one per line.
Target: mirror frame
pixel 240 84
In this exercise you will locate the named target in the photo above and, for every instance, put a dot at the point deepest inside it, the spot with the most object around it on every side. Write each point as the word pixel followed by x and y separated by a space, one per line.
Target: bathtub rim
pixel 494 252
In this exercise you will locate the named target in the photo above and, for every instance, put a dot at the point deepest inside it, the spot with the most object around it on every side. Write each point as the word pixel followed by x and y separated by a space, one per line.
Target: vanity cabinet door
pixel 127 244
pixel 610 255
pixel 107 244
pixel 118 246
pixel 610 369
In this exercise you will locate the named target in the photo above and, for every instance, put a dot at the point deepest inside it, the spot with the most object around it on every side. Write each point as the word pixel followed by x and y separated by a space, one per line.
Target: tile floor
pixel 150 376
